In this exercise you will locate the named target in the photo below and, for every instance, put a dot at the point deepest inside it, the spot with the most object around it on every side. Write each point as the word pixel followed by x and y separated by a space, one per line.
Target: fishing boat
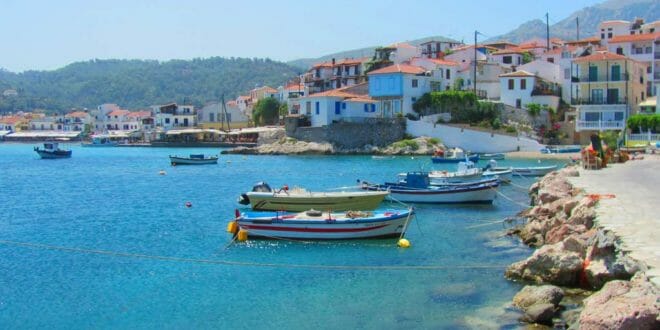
pixel 453 155
pixel 465 171
pixel 504 174
pixel 100 141
pixel 561 149
pixel 417 188
pixel 193 160
pixel 533 170
pixel 314 224
pixel 51 150
pixel 264 198
pixel 496 156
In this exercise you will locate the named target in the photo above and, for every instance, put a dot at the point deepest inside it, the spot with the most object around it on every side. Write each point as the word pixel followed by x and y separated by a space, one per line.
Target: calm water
pixel 113 199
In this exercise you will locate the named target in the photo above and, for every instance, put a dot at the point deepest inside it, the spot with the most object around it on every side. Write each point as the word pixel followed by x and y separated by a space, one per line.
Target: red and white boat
pixel 324 225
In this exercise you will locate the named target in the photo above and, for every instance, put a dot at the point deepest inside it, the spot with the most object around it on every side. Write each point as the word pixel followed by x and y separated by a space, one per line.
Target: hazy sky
pixel 50 34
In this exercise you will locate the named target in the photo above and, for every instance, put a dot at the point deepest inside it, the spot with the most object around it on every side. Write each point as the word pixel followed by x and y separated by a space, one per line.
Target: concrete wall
pixel 474 141
pixel 350 135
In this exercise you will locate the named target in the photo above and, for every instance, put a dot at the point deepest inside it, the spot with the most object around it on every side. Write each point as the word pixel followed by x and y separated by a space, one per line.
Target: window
pixel 597 96
pixel 447 74
pixel 176 120
pixel 413 99
pixel 616 73
pixel 648 69
pixel 567 73
pixel 308 108
pixel 651 30
pixel 591 116
pixel 366 107
pixel 518 103
pixel 638 50
pixel 373 107
pixel 507 59
pixel 648 50
pixel 343 105
pixel 551 59
pixel 593 73
pixel 167 120
pixel 318 106
pixel 211 117
pixel 619 51
pixel 602 35
pixel 523 84
pixel 511 84
pixel 414 83
pixel 338 108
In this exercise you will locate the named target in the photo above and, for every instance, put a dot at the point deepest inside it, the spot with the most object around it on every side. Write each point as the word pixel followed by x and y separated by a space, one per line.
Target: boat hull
pixel 503 175
pixel 53 154
pixel 189 161
pixel 484 192
pixel 472 158
pixel 340 201
pixel 272 225
pixel 498 156
pixel 533 171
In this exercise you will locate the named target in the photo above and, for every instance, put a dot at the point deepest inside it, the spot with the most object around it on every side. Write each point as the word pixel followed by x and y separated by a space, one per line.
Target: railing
pixel 600 124
pixel 604 101
pixel 601 78
pixel 644 137
pixel 546 92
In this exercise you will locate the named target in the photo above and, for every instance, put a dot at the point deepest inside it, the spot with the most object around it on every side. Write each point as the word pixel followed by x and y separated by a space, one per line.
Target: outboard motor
pixel 243 199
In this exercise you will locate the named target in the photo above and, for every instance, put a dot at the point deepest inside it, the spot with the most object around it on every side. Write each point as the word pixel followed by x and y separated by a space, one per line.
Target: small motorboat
pixel 194 159
pixel 264 198
pixel 496 156
pixel 100 141
pixel 417 188
pixel 533 170
pixel 561 149
pixel 314 224
pixel 465 171
pixel 51 150
pixel 504 174
pixel 453 155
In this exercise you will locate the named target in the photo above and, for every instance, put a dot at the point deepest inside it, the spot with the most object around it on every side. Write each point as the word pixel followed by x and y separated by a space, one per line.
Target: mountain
pixel 138 83
pixel 589 18
pixel 306 63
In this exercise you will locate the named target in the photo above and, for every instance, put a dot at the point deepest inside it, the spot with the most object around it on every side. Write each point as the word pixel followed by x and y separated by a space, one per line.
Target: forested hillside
pixel 136 83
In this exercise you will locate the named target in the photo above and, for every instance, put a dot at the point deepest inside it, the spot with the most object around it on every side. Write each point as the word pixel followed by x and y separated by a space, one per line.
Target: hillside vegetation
pixel 139 83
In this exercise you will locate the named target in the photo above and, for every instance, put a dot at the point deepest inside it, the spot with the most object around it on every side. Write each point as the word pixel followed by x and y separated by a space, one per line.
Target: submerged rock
pixel 541 294
pixel 540 313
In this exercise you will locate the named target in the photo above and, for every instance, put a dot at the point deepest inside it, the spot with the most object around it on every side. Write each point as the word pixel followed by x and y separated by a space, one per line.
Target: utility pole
pixel 547 31
pixel 474 82
pixel 577 24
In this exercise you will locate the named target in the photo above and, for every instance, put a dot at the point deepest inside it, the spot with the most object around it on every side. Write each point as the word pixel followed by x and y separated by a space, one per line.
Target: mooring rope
pixel 510 199
pixel 244 263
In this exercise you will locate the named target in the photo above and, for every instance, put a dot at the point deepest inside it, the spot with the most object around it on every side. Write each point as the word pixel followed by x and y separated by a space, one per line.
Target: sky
pixel 49 34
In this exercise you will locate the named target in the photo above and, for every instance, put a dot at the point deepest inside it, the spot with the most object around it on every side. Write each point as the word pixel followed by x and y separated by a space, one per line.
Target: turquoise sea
pixel 110 244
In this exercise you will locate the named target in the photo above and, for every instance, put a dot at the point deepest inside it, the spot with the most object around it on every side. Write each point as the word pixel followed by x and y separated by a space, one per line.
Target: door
pixel 613 96
pixel 337 108
pixel 616 73
pixel 185 122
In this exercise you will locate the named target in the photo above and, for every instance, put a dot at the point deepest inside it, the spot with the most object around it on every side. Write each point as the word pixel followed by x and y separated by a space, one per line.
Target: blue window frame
pixel 373 107
pixel 366 108
pixel 317 107
pixel 337 108
pixel 343 105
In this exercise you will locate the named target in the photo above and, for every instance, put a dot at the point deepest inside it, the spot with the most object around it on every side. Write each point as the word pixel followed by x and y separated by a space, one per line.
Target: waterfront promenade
pixel 633 215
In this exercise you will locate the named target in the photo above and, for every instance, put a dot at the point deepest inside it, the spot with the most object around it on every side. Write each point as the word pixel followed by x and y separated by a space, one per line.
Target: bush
pixel 433 141
pixel 511 129
pixel 406 143
pixel 496 123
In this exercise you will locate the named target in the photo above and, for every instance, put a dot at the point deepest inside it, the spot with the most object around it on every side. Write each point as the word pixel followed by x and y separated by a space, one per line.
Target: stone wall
pixel 379 132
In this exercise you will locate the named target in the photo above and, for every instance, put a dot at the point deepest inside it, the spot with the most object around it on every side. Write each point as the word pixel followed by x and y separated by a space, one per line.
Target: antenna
pixel 547 31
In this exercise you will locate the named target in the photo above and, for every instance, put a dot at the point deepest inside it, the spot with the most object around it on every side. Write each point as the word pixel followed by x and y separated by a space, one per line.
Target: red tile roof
pixel 589 40
pixel 139 114
pixel 118 113
pixel 443 62
pixel 517 50
pixel 601 56
pixel 333 93
pixel 322 65
pixel 231 103
pixel 242 97
pixel 77 114
pixel 635 37
pixel 521 73
pixel 10 120
pixel 399 68
pixel 352 61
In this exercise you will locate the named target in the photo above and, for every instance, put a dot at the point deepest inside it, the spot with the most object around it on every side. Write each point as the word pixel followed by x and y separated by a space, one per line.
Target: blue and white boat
pixel 417 188
pixel 100 141
pixel 496 156
pixel 194 159
pixel 51 150
pixel 561 149
pixel 453 155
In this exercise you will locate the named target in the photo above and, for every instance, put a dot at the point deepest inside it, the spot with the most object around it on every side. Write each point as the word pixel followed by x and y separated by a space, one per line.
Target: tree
pixel 527 57
pixel 266 112
pixel 284 109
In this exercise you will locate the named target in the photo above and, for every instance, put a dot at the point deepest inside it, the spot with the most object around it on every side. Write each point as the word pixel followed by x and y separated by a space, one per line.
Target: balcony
pixel 599 125
pixel 600 78
pixel 605 101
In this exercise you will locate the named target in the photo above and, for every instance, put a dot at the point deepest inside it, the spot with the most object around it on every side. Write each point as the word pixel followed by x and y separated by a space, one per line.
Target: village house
pixel 609 88
pixel 520 88
pixel 291 94
pixel 397 87
pixel 171 115
pixel 214 116
pixel 644 48
pixel 437 48
pixel 351 103
pixel 444 72
pixel 77 121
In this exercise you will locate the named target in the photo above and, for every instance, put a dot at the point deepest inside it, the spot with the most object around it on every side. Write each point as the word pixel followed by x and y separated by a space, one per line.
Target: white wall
pixel 474 141
pixel 423 86
pixel 544 69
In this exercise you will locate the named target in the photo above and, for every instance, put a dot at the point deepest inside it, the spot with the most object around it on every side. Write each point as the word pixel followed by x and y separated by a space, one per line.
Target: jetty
pixel 632 213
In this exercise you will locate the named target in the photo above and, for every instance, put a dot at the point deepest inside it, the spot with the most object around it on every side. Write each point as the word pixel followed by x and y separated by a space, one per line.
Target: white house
pixel 77 120
pixel 214 116
pixel 444 72
pixel 171 115
pixel 521 88
pixel 508 58
pixel 437 48
pixel 644 48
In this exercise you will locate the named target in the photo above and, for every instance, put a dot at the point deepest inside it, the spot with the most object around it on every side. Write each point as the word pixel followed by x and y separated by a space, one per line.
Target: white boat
pixel 324 225
pixel 453 155
pixel 418 189
pixel 465 171
pixel 527 171
pixel 263 198
pixel 51 150
pixel 193 160
pixel 100 141
pixel 496 156
pixel 504 174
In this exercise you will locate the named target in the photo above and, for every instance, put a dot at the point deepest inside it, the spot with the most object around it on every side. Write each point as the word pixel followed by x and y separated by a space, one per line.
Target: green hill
pixel 589 18
pixel 138 83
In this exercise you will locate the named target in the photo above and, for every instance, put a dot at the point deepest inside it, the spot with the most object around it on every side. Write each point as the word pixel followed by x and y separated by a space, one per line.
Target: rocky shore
pixel 573 252
pixel 282 145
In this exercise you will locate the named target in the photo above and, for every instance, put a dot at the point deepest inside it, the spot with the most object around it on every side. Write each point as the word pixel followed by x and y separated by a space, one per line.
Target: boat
pixel 453 155
pixel 504 174
pixel 193 160
pixel 496 156
pixel 527 171
pixel 465 171
pixel 314 224
pixel 263 198
pixel 51 150
pixel 561 149
pixel 100 141
pixel 417 188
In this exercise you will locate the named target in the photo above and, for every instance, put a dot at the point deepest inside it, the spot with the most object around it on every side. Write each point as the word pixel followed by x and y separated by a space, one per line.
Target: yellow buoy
pixel 242 235
pixel 232 227
pixel 403 243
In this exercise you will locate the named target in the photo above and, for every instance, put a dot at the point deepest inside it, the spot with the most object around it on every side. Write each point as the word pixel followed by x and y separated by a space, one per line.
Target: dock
pixel 633 214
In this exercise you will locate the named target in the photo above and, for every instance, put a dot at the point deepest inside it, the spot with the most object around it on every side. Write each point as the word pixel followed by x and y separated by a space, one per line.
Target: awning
pixel 43 134
pixel 649 102
pixel 253 130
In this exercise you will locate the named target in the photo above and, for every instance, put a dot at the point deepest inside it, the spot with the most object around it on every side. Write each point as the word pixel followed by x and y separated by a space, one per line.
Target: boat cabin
pixel 417 180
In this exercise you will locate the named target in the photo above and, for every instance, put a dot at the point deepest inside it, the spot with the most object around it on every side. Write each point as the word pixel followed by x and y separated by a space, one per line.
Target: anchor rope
pixel 243 263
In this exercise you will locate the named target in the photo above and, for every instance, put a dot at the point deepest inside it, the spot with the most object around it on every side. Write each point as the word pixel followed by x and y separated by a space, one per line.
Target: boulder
pixel 550 264
pixel 603 244
pixel 583 213
pixel 622 305
pixel 570 171
pixel 540 313
pixel 542 294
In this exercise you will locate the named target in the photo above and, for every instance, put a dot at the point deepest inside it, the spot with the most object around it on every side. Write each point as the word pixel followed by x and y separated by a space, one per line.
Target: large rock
pixel 583 213
pixel 542 294
pixel 550 264
pixel 622 305
pixel 540 313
